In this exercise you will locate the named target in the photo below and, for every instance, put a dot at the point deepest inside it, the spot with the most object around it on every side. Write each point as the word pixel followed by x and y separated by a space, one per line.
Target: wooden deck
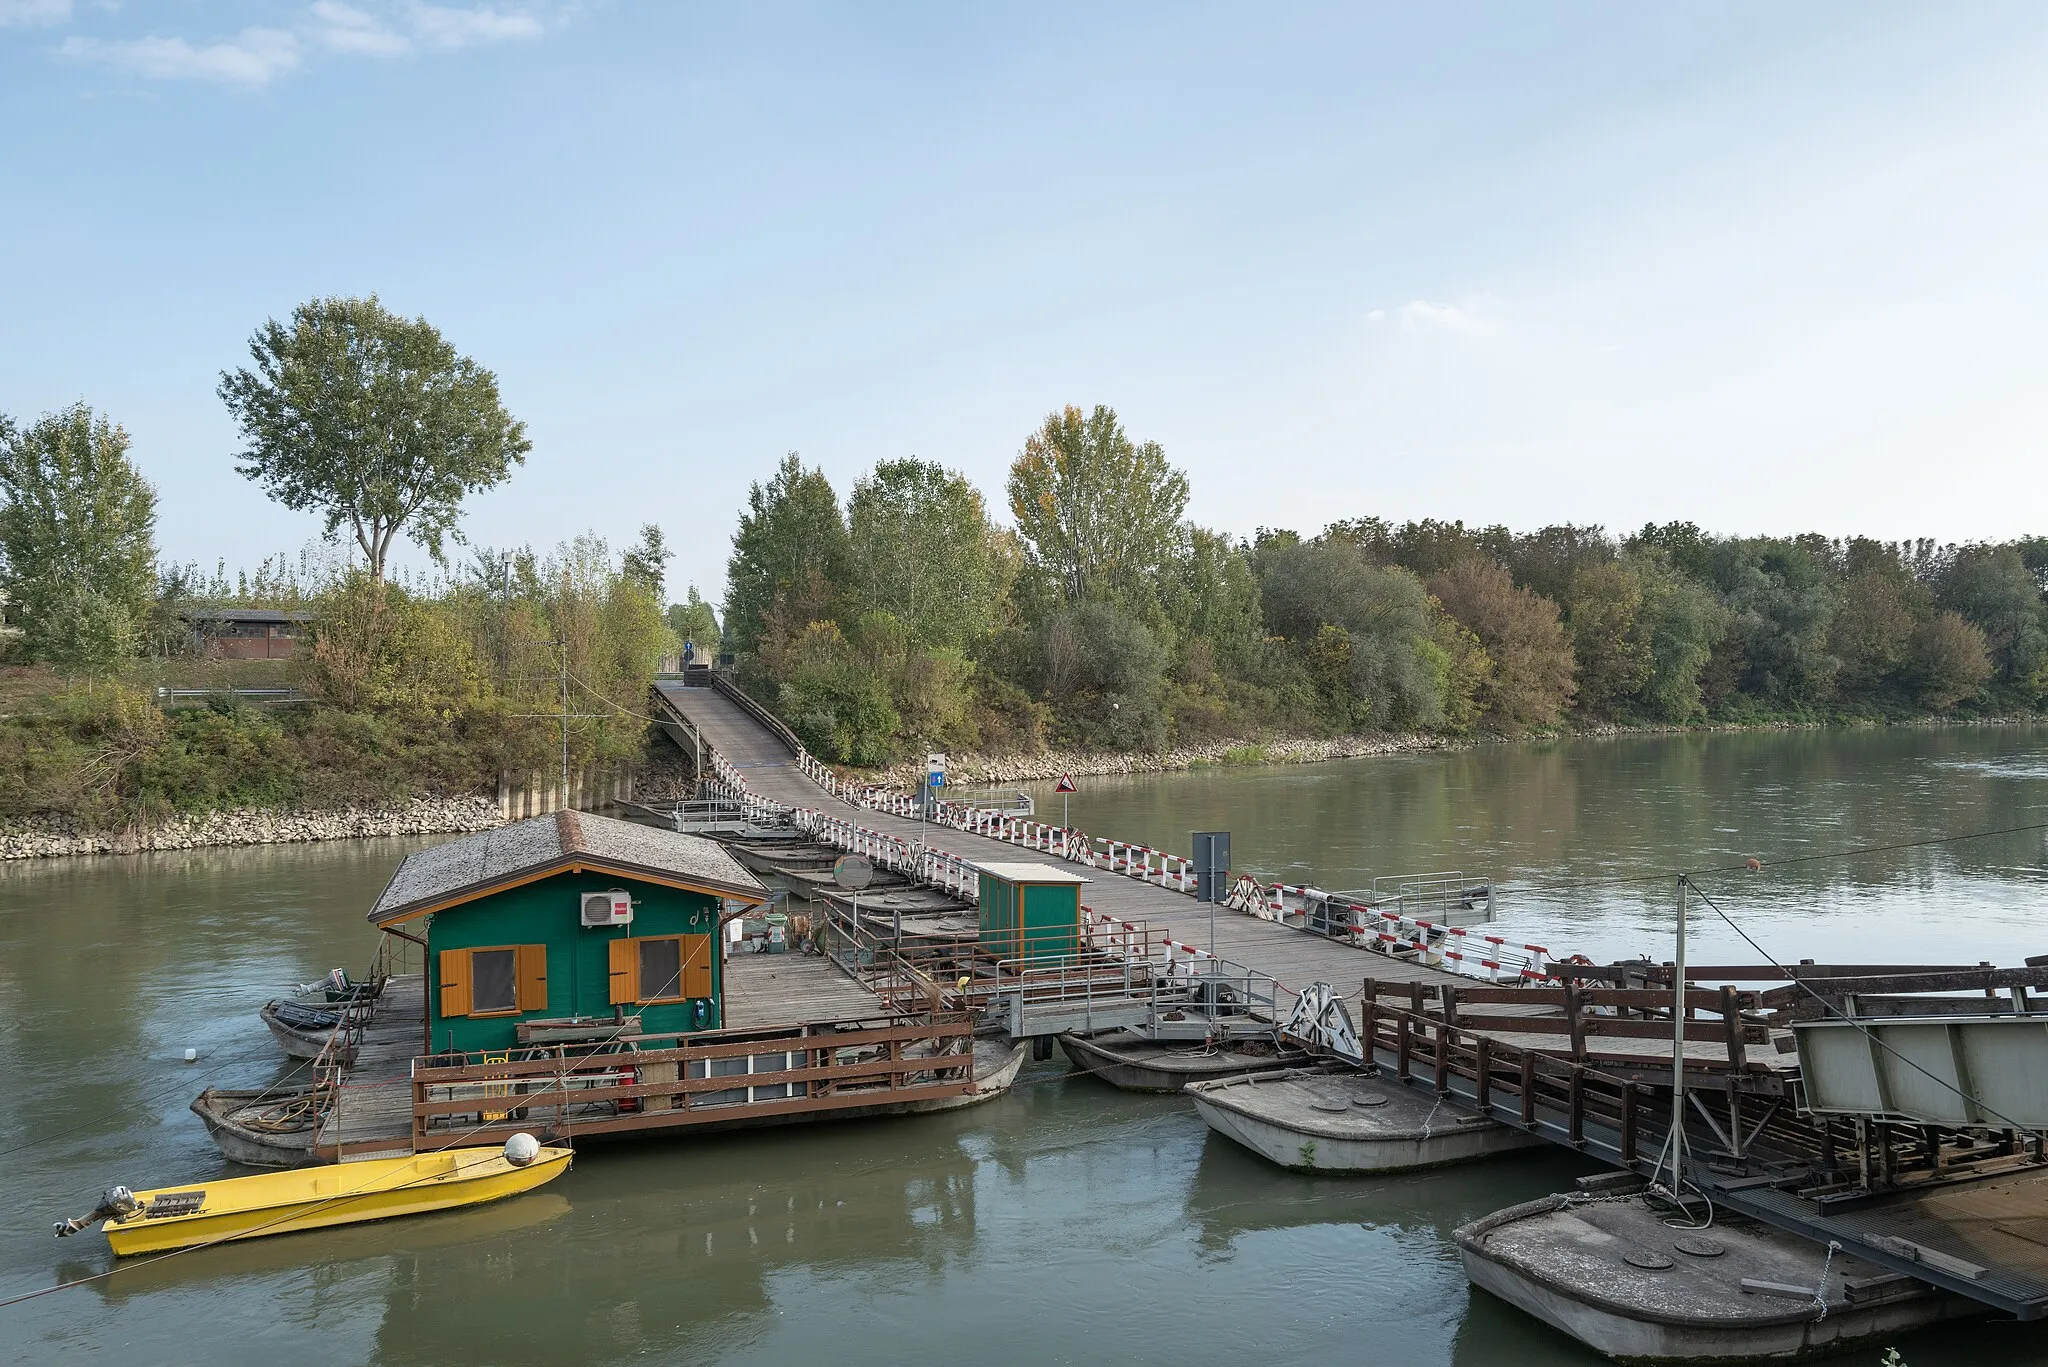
pixel 792 989
pixel 372 1112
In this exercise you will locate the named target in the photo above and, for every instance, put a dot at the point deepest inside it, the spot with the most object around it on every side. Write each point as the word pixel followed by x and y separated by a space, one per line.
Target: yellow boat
pixel 316 1198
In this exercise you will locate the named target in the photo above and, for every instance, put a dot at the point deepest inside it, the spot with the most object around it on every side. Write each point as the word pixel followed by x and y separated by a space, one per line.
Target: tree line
pixel 1102 617
pixel 420 683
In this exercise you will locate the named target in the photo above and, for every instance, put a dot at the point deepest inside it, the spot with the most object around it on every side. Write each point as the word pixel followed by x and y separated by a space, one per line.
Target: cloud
pixel 446 26
pixel 344 28
pixel 255 56
pixel 26 12
pixel 1427 313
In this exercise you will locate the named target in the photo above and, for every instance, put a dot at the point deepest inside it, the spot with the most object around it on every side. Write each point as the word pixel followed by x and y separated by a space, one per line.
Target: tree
pixel 1870 632
pixel 695 624
pixel 790 560
pixel 1946 661
pixel 1604 615
pixel 1099 514
pixel 1211 595
pixel 1365 632
pixel 1991 587
pixel 1532 659
pixel 924 552
pixel 372 420
pixel 1681 621
pixel 646 561
pixel 77 539
pixel 1105 673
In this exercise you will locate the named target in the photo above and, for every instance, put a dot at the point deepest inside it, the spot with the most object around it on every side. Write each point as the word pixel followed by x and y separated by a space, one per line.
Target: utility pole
pixel 562 654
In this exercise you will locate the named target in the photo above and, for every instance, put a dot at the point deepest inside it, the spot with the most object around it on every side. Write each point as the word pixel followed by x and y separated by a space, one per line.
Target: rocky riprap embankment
pixel 36 838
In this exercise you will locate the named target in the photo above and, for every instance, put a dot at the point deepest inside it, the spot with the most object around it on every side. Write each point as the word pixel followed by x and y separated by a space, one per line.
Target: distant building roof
pixel 246 615
pixel 475 865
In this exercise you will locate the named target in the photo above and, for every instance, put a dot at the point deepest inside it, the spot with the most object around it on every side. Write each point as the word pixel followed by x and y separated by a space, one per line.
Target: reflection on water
pixel 1065 1223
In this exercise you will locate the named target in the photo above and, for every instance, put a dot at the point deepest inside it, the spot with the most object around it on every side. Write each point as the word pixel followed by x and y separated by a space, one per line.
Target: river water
pixel 1066 1223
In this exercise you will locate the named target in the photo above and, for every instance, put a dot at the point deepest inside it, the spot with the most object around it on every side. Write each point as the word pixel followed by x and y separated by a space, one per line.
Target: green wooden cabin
pixel 567 923
pixel 1030 911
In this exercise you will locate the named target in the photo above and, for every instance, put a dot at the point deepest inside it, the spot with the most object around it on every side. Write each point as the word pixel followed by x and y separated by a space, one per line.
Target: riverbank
pixel 1049 765
pixel 45 837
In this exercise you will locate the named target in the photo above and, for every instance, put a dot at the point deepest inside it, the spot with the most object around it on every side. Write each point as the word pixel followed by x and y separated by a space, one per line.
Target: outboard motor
pixel 116 1203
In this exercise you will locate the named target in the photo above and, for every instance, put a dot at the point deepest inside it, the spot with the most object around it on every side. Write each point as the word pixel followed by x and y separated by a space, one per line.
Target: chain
pixel 1820 1293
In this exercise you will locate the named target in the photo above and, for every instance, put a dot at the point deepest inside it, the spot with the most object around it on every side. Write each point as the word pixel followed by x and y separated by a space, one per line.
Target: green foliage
pixel 372 420
pixel 790 562
pixel 77 547
pixel 1099 514
pixel 923 550
pixel 692 622
pixel 1363 633
pixel 1104 673
pixel 1991 587
pixel 1681 620
pixel 1210 594
pixel 1947 660
pixel 1531 680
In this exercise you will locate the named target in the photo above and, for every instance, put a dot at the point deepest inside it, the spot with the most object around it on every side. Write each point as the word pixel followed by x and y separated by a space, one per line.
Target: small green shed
pixel 567 926
pixel 1030 911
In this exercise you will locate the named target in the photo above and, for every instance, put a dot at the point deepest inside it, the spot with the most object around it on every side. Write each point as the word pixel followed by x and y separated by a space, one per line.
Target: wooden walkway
pixel 371 1116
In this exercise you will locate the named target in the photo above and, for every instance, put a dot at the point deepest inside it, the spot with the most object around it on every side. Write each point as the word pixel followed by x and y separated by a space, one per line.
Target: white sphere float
pixel 521 1149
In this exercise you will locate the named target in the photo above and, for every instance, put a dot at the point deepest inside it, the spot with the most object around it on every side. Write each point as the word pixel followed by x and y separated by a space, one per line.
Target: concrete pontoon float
pixel 1639 1283
pixel 1334 1120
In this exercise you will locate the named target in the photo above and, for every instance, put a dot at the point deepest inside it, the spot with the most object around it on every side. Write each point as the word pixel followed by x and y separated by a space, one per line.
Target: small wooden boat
pixel 317 1198
pixel 1126 1059
pixel 271 1128
pixel 302 1030
pixel 1337 1120
pixel 1613 1275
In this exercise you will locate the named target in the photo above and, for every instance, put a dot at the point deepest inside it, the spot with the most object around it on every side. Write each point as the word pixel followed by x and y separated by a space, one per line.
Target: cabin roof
pixel 246 615
pixel 1030 873
pixel 562 842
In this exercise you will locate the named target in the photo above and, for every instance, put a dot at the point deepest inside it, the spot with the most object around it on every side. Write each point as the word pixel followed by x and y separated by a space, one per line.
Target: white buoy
pixel 191 1056
pixel 521 1149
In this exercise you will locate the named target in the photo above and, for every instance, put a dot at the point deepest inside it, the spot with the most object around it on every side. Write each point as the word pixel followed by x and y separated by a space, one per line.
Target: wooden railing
pixel 563 1092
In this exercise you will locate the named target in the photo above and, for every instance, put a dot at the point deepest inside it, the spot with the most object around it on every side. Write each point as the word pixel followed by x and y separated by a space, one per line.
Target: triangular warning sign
pixel 1066 784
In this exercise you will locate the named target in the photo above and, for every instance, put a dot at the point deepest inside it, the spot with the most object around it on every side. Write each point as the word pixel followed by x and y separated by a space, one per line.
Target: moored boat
pixel 1337 1120
pixel 267 1128
pixel 1615 1276
pixel 169 1218
pixel 996 1065
pixel 1126 1059
pixel 303 1031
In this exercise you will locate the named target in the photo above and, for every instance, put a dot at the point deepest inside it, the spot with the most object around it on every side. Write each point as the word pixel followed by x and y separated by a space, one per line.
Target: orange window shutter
pixel 454 982
pixel 625 963
pixel 696 965
pixel 533 977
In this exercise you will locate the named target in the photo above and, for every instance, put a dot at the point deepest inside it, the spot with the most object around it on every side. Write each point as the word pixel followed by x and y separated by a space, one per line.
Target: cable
pixel 1839 1014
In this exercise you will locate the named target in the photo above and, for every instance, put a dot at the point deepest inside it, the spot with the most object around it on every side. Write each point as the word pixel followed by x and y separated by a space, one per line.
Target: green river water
pixel 1066 1223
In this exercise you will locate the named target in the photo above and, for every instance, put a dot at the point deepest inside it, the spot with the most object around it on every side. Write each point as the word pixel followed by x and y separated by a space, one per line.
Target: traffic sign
pixel 1066 784
pixel 935 770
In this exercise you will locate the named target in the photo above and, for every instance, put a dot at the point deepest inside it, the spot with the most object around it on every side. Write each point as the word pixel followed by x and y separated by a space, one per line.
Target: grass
pixel 1245 754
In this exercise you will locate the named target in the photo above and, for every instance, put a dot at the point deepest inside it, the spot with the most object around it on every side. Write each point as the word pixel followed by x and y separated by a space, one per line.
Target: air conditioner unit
pixel 614 908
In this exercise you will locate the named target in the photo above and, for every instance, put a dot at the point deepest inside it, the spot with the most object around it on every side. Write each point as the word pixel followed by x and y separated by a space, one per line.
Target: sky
pixel 1769 268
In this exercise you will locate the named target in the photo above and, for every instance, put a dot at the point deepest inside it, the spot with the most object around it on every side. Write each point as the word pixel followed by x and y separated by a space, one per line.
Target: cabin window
pixel 499 980
pixel 662 968
pixel 493 981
